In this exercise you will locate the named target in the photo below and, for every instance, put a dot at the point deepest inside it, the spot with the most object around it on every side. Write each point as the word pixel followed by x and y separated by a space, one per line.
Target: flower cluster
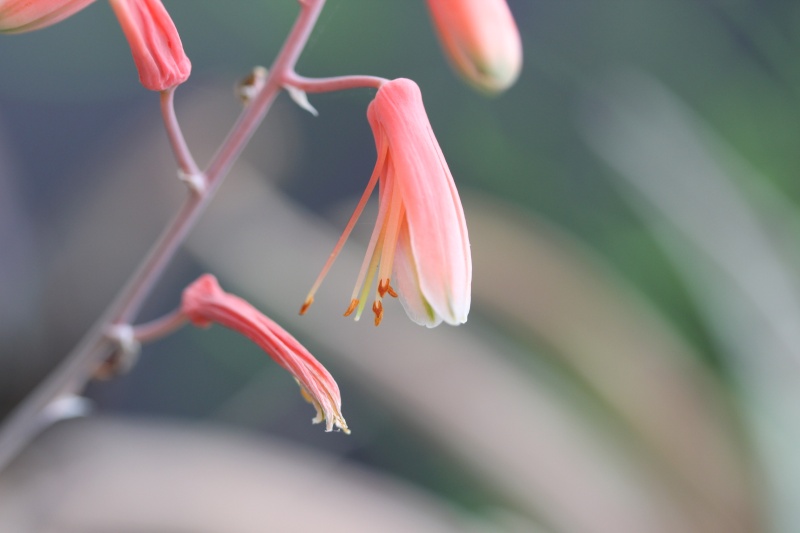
pixel 419 251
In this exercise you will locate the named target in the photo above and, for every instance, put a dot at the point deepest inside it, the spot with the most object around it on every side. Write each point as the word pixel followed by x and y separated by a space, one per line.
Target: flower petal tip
pixel 331 417
pixel 154 41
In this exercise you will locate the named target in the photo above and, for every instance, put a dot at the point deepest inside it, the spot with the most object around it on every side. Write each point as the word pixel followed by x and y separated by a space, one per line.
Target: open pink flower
pixel 204 303
pixel 155 43
pixel 481 39
pixel 17 16
pixel 420 242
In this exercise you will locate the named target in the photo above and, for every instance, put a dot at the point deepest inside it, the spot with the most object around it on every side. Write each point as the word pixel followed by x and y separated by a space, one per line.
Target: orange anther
pixel 391 292
pixel 353 305
pixel 306 305
pixel 377 308
pixel 383 287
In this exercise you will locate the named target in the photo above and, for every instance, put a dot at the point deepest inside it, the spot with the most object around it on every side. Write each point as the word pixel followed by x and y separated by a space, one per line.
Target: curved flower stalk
pixel 204 302
pixel 420 240
pixel 155 43
pixel 481 39
pixel 18 16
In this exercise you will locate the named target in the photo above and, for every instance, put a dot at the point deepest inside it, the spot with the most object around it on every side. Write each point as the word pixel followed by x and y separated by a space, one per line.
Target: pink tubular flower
pixel 155 43
pixel 204 302
pixel 420 237
pixel 481 39
pixel 18 16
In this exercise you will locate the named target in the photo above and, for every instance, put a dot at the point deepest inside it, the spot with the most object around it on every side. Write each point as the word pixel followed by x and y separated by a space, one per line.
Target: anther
pixel 377 308
pixel 306 305
pixel 383 287
pixel 353 305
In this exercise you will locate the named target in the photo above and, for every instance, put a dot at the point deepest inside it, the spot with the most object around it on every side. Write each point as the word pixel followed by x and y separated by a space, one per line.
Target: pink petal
pixel 155 43
pixel 18 16
pixel 204 302
pixel 438 239
pixel 481 40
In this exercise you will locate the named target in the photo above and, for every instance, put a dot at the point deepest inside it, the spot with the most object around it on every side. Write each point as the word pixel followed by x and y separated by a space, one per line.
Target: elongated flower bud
pixel 155 43
pixel 481 40
pixel 204 302
pixel 18 16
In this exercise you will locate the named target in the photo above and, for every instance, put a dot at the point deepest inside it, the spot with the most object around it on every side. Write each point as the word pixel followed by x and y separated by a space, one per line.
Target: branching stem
pixel 72 374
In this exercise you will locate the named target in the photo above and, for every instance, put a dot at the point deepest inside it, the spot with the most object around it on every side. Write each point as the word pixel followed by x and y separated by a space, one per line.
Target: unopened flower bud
pixel 481 40
pixel 155 43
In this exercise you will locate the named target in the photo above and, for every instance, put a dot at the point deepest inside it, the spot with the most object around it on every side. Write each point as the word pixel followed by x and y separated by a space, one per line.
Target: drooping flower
pixel 155 43
pixel 18 16
pixel 204 302
pixel 481 39
pixel 420 243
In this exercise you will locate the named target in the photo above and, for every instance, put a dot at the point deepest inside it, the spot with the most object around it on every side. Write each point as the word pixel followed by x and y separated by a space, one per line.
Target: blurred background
pixel 632 358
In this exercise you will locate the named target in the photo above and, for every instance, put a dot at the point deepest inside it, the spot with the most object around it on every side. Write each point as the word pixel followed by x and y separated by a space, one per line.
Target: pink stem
pixel 338 83
pixel 160 327
pixel 249 121
pixel 75 370
pixel 184 157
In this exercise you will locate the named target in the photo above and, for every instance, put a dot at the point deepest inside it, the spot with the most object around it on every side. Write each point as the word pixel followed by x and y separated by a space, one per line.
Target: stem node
pixel 196 181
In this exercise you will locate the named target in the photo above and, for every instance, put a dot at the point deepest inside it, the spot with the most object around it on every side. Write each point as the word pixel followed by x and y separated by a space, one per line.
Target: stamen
pixel 375 241
pixel 367 284
pixel 390 290
pixel 373 180
pixel 377 308
pixel 383 287
pixel 374 252
pixel 352 307
pixel 306 305
pixel 394 221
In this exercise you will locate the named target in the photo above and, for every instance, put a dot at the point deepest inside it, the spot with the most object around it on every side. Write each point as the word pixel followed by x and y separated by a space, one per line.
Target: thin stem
pixel 76 369
pixel 184 157
pixel 160 327
pixel 337 83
